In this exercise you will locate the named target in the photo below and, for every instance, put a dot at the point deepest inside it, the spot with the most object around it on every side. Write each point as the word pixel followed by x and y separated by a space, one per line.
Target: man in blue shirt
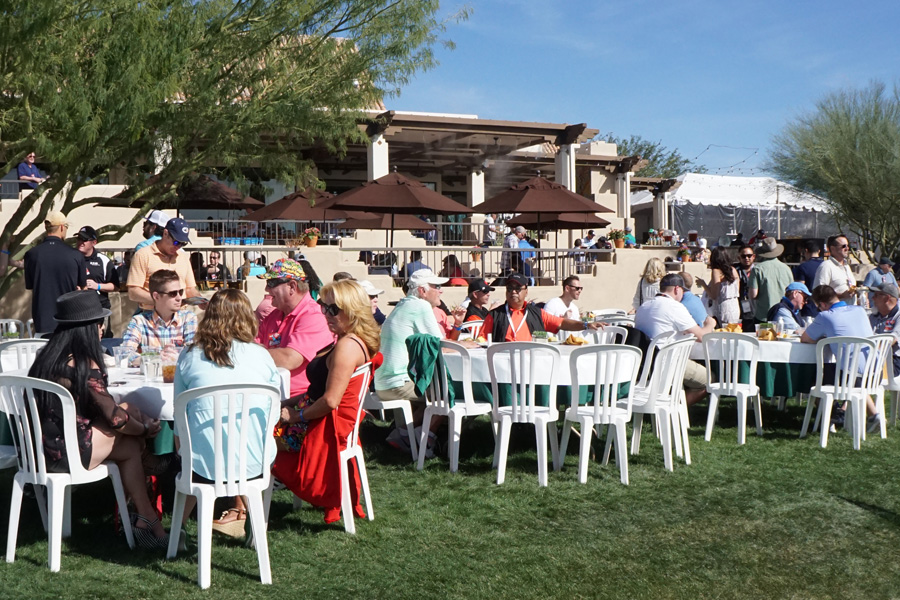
pixel 29 175
pixel 788 310
pixel 880 275
pixel 884 320
pixel 692 302
pixel 837 318
pixel 806 271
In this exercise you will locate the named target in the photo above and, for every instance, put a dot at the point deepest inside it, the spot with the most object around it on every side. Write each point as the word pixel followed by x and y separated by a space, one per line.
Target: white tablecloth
pixel 481 373
pixel 782 351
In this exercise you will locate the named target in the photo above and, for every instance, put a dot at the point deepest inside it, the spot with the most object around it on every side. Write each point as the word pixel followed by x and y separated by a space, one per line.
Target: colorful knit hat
pixel 285 268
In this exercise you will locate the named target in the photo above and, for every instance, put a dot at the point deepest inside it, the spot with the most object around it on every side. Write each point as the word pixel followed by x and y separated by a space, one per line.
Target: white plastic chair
pixel 855 359
pixel 17 400
pixel 402 416
pixel 622 320
pixel 726 351
pixel 437 403
pixel 231 476
pixel 526 360
pixel 609 312
pixel 13 326
pixel 29 327
pixel 354 451
pixel 469 329
pixel 884 377
pixel 611 334
pixel 24 352
pixel 612 365
pixel 660 394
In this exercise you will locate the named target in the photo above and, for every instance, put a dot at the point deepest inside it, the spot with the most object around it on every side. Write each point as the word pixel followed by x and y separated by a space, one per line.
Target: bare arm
pixel 715 281
pixel 139 294
pixel 346 357
pixel 286 358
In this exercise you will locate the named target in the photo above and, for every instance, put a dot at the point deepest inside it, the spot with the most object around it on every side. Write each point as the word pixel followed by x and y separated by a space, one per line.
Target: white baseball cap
pixel 424 277
pixel 158 217
pixel 371 290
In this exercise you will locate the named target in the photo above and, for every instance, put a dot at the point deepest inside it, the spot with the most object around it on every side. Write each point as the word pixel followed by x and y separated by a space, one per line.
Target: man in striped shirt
pixel 167 325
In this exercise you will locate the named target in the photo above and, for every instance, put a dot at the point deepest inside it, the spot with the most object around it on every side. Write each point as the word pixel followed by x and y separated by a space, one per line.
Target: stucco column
pixel 565 166
pixel 623 195
pixel 661 211
pixel 474 197
pixel 377 157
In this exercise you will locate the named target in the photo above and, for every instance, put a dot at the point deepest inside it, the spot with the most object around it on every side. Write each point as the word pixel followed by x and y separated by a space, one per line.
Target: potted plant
pixel 618 237
pixel 311 236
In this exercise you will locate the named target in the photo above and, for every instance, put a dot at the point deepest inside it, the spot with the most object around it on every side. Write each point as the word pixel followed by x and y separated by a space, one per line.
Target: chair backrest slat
pixel 725 352
pixel 667 377
pixel 855 359
pixel 529 363
pixel 612 365
pixel 611 334
pixel 364 373
pixel 25 352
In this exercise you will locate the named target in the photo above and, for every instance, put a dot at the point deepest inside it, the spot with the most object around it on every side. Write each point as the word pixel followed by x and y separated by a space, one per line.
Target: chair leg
pixel 665 436
pixel 711 415
pixel 121 502
pixel 364 483
pixel 636 426
pixel 15 509
pixel 455 436
pixel 757 402
pixel 177 518
pixel 346 502
pixel 540 435
pixel 620 454
pixel 67 513
pixel 895 407
pixel 501 449
pixel 742 419
pixel 825 411
pixel 554 445
pixel 423 439
pixel 257 517
pixel 584 451
pixel 205 509
pixel 564 442
pixel 683 421
pixel 404 416
pixel 879 406
pixel 608 444
pixel 809 408
pixel 55 513
pixel 674 415
pixel 495 427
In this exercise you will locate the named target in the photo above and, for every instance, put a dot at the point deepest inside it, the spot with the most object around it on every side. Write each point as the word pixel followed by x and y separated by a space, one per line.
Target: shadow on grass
pixel 887 515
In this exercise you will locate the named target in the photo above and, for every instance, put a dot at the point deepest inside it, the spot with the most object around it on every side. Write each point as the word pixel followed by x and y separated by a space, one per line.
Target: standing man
pixel 102 274
pixel 165 327
pixel 517 320
pixel 29 175
pixel 153 228
pixel 835 272
pixel 883 273
pixel 216 271
pixel 806 271
pixel 163 254
pixel 769 278
pixel 746 258
pixel 296 329
pixel 509 242
pixel 564 305
pixel 489 233
pixel 666 313
pixel 52 268
pixel 589 241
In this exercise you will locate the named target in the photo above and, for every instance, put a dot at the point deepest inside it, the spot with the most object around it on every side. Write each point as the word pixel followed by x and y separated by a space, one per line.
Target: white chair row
pixel 24 329
pixel 19 354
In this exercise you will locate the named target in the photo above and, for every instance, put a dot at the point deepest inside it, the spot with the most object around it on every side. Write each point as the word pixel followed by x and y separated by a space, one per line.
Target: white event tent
pixel 716 205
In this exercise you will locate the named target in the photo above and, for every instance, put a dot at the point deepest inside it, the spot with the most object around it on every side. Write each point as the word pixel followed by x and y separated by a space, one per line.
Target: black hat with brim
pixel 80 306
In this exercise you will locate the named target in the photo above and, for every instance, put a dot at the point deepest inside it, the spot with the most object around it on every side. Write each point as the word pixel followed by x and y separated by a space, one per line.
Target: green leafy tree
pixel 178 87
pixel 848 151
pixel 661 162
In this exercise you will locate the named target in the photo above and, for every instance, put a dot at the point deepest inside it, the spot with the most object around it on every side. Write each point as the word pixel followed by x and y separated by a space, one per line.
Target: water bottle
pixel 779 328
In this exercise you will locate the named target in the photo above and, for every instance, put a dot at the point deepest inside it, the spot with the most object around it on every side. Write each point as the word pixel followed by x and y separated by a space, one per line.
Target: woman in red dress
pixel 329 410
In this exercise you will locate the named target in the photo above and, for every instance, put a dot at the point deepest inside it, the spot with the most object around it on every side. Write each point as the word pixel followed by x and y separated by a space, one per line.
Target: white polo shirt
pixel 839 277
pixel 663 314
pixel 558 308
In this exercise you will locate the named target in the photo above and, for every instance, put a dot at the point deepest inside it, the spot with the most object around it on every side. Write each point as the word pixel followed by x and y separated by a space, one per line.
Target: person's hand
pixel 288 414
pixel 169 352
pixel 701 282
pixel 459 315
pixel 153 427
pixel 595 325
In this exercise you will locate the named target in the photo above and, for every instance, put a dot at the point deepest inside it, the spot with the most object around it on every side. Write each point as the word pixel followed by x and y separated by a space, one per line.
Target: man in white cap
pixel 153 228
pixel 413 314
pixel 52 268
pixel 373 293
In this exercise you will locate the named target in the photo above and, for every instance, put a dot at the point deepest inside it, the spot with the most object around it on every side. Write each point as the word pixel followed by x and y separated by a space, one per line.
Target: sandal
pixel 144 536
pixel 233 527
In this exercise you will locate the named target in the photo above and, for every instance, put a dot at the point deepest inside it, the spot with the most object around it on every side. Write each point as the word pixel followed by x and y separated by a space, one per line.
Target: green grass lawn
pixel 776 518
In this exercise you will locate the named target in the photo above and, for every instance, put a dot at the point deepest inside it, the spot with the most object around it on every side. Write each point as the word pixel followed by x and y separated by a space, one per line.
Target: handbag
pixel 289 436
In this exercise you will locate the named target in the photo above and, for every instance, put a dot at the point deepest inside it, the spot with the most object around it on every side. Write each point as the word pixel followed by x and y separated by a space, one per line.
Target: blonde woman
pixel 648 286
pixel 329 410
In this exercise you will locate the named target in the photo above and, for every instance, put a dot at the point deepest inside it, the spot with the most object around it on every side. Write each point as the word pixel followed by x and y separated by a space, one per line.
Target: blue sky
pixel 689 73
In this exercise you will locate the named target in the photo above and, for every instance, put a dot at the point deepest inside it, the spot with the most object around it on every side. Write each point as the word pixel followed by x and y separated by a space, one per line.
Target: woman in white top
pixel 723 289
pixel 648 286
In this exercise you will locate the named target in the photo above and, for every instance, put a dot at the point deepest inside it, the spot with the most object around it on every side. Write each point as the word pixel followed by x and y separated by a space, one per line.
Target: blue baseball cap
pixel 798 285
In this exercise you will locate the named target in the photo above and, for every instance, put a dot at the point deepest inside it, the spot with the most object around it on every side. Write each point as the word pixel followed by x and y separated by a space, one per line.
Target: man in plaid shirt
pixel 167 326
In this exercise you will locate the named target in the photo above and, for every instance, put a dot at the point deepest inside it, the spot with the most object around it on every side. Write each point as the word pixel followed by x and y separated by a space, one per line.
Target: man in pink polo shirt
pixel 296 329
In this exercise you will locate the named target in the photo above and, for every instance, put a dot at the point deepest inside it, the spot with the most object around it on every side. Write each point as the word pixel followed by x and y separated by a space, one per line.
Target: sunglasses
pixel 273 283
pixel 434 287
pixel 747 255
pixel 514 289
pixel 577 288
pixel 329 309
pixel 31 156
pixel 176 243
pixel 843 246
pixel 213 257
pixel 173 293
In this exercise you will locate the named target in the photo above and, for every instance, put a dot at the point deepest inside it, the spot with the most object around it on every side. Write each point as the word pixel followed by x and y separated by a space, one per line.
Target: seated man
pixel 666 313
pixel 788 310
pixel 516 320
pixel 564 305
pixel 884 300
pixel 167 325
pixel 477 303
pixel 693 303
pixel 835 318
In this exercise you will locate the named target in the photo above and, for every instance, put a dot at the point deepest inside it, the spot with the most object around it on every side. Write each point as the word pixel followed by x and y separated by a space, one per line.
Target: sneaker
pixel 832 428
pixel 837 417
pixel 399 439
pixel 874 423
pixel 431 446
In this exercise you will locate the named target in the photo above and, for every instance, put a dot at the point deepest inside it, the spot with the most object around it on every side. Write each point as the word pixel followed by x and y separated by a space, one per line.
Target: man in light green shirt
pixel 769 278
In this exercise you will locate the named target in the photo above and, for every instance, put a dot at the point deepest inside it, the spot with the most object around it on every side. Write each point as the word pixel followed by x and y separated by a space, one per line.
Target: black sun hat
pixel 80 306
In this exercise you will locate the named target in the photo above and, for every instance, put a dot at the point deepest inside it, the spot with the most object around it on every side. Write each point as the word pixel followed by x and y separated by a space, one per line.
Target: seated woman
pixel 453 271
pixel 329 409
pixel 223 352
pixel 73 358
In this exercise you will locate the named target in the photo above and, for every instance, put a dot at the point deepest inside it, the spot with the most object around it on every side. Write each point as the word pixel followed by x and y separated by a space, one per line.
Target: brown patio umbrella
pixel 388 223
pixel 296 207
pixel 395 194
pixel 559 221
pixel 198 193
